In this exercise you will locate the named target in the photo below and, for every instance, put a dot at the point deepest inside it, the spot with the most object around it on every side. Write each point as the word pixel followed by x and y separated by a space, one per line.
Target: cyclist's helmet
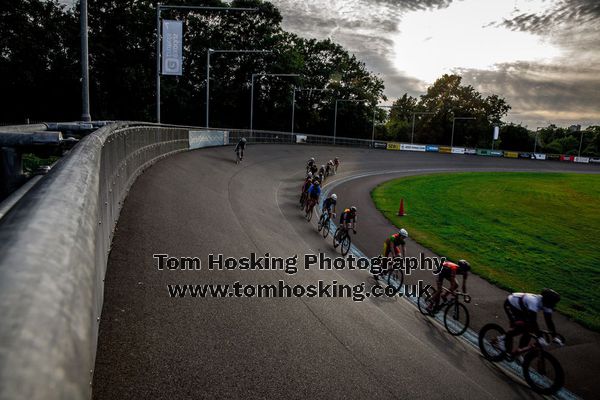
pixel 323 166
pixel 353 209
pixel 464 265
pixel 334 196
pixel 309 175
pixel 402 232
pixel 550 298
pixel 244 139
pixel 316 182
pixel 312 159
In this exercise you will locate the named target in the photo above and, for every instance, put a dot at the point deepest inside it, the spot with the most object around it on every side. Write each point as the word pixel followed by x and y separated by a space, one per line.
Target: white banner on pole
pixel 496 132
pixel 172 47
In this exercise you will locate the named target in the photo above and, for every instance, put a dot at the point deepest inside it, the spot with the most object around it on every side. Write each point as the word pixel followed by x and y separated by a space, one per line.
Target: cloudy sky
pixel 543 56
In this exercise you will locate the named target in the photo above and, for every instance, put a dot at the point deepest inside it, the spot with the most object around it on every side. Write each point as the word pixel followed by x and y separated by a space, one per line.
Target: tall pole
pixel 412 132
pixel 158 55
pixel 207 84
pixel 535 139
pixel 335 122
pixel 580 143
pixel 373 132
pixel 85 77
pixel 252 104
pixel 293 108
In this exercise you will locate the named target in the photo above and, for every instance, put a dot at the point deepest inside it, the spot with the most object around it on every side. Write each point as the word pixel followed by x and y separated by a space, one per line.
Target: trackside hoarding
pixel 432 148
pixel 393 146
pixel 412 147
pixel 458 150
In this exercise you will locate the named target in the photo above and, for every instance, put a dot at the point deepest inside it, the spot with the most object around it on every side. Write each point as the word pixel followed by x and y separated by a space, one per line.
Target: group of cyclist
pixel 520 308
pixel 311 192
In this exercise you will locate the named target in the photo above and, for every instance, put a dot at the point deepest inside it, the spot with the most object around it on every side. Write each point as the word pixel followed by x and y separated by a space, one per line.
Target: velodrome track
pixel 200 202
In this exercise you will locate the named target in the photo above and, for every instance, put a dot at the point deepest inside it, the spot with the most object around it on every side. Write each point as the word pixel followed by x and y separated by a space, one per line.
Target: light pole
pixel 335 114
pixel 580 143
pixel 294 100
pixel 159 8
pixel 412 133
pixel 453 120
pixel 373 131
pixel 252 96
pixel 535 140
pixel 85 74
pixel 208 53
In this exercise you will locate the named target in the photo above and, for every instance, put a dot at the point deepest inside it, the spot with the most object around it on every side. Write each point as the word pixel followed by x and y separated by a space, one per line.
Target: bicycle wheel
pixel 321 222
pixel 345 244
pixel 395 279
pixel 336 236
pixel 326 228
pixel 425 298
pixel 543 372
pixel 456 318
pixel 489 342
pixel 309 213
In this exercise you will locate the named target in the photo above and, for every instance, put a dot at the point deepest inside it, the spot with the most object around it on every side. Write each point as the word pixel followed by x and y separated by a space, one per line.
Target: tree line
pixel 39 63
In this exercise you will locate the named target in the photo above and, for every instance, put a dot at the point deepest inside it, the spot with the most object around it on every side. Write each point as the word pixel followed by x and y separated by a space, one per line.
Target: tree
pixel 38 61
pixel 448 98
pixel 515 137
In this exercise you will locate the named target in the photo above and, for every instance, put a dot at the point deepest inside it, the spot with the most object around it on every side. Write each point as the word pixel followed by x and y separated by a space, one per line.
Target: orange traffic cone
pixel 401 212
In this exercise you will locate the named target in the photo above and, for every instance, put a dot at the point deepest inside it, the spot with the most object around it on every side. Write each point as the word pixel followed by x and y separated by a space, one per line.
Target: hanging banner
pixel 172 47
pixel 496 132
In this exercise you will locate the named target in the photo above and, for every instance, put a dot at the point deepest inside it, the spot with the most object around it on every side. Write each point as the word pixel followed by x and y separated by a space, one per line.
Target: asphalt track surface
pixel 152 346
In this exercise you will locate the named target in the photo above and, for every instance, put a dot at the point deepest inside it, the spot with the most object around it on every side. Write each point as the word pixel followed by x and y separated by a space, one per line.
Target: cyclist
pixel 329 204
pixel 336 163
pixel 305 187
pixel 329 168
pixel 314 191
pixel 394 245
pixel 310 163
pixel 240 147
pixel 449 272
pixel 348 219
pixel 521 310
pixel 314 169
pixel 321 172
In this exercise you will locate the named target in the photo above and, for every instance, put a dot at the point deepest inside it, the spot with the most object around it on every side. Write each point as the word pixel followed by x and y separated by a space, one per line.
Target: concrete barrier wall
pixel 54 245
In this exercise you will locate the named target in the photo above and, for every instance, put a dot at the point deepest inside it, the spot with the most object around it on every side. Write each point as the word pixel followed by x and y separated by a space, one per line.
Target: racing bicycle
pixel 323 225
pixel 541 370
pixel 342 239
pixel 456 315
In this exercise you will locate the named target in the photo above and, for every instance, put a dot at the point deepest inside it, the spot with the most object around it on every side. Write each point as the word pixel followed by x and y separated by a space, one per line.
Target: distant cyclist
pixel 309 165
pixel 240 147
pixel 322 172
pixel 449 272
pixel 394 246
pixel 329 168
pixel 314 169
pixel 329 204
pixel 348 219
pixel 522 309
pixel 336 164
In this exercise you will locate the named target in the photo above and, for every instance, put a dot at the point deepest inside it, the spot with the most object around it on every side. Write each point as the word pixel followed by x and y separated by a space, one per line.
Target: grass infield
pixel 520 231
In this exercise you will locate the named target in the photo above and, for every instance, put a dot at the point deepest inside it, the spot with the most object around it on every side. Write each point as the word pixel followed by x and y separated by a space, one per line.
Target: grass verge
pixel 520 231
